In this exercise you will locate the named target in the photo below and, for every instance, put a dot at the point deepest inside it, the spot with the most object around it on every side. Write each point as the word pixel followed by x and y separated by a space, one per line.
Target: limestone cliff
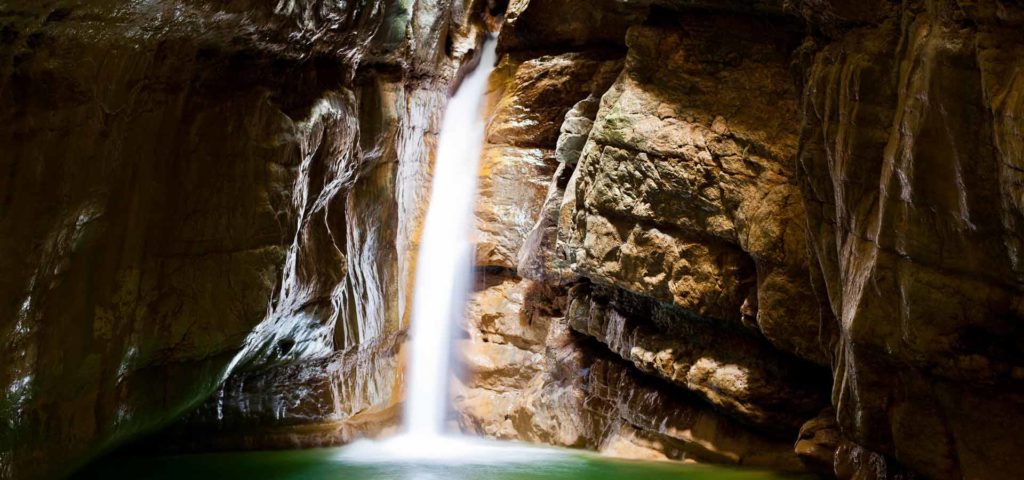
pixel 776 233
pixel 911 152
pixel 737 214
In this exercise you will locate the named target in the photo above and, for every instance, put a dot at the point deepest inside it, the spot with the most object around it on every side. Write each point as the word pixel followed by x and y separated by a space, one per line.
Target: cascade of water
pixel 443 270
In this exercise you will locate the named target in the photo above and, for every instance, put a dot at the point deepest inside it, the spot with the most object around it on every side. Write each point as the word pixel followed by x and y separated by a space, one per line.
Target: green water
pixel 334 463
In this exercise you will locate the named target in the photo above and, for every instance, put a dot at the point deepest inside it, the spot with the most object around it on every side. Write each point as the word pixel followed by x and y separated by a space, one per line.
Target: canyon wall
pixel 771 233
pixel 765 233
pixel 205 197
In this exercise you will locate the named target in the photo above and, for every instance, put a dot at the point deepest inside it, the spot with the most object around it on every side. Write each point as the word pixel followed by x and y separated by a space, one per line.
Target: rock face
pixel 193 190
pixel 681 203
pixel 764 191
pixel 912 142
pixel 782 234
pixel 679 231
pixel 530 377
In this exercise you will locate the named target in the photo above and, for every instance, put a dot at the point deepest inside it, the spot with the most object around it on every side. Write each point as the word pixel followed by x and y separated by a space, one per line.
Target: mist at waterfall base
pixel 424 450
pixel 443 278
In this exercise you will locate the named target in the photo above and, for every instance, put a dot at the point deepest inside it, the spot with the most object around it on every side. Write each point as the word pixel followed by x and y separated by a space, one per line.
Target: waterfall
pixel 444 264
pixel 443 276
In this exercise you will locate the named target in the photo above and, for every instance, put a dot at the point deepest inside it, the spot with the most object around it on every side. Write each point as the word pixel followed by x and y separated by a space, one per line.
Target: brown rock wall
pixel 530 377
pixel 191 189
pixel 685 191
pixel 852 199
pixel 687 210
pixel 908 154
pixel 573 115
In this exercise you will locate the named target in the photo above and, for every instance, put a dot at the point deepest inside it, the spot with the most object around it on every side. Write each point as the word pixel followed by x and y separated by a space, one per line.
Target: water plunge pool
pixel 469 460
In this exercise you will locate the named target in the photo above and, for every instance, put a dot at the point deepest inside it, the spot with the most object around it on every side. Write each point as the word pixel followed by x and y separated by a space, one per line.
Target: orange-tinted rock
pixel 529 377
pixel 197 193
pixel 528 101
pixel 507 391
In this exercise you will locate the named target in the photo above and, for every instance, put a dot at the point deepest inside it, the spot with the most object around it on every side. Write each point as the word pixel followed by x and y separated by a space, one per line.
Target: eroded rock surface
pixel 192 189
pixel 691 212
pixel 530 377
pixel 686 191
pixel 528 100
pixel 909 153
pixel 591 126
pixel 733 371
pixel 812 183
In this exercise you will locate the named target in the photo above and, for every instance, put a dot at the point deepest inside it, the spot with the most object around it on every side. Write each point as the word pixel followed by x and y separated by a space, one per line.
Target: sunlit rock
pixel 691 212
pixel 686 189
pixel 739 373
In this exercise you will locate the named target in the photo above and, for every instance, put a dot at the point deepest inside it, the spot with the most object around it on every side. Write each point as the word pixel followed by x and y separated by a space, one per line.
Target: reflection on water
pixel 474 460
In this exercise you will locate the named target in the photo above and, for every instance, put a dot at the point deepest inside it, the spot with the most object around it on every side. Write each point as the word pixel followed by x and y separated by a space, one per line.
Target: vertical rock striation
pixel 196 190
pixel 910 146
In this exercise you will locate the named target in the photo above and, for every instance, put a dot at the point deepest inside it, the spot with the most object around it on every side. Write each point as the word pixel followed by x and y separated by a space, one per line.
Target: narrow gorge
pixel 777 235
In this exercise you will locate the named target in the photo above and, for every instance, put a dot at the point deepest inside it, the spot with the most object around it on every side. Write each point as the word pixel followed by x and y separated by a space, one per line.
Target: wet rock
pixel 909 182
pixel 823 448
pixel 201 196
pixel 512 185
pixel 508 390
pixel 818 442
pixel 528 100
pixel 854 462
pixel 581 396
pixel 193 188
pixel 327 401
pixel 544 254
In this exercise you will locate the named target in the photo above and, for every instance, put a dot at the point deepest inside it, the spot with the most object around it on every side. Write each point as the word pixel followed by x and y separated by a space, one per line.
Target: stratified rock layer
pixel 731 370
pixel 616 150
pixel 832 183
pixel 531 377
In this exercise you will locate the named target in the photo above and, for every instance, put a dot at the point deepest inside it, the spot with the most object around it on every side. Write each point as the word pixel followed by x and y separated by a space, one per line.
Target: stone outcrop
pixel 734 372
pixel 529 98
pixel 530 377
pixel 802 184
pixel 825 450
pixel 317 402
pixel 597 144
pixel 685 190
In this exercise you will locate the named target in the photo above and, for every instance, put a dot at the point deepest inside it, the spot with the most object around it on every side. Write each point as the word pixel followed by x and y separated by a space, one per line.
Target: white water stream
pixel 443 276
pixel 444 264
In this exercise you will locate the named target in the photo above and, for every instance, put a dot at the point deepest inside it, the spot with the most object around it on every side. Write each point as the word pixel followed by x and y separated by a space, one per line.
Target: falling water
pixel 443 269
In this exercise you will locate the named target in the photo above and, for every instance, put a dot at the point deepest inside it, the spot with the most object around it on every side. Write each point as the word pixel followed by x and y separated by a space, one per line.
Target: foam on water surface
pixel 448 450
